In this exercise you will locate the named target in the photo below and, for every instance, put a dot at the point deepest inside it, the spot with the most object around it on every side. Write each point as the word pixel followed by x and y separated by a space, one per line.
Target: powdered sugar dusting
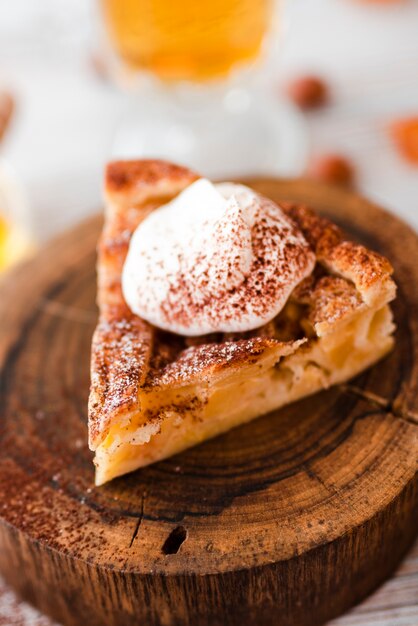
pixel 207 357
pixel 121 349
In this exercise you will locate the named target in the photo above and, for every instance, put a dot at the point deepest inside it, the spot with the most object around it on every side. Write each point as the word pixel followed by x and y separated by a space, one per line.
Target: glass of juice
pixel 15 240
pixel 197 68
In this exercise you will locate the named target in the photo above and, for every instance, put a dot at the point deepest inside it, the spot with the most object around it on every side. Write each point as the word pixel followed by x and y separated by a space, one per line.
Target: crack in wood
pixel 139 521
pixel 329 488
pixel 388 406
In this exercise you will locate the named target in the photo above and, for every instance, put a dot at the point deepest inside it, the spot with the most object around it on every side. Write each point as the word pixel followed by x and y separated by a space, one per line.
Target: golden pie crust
pixel 154 394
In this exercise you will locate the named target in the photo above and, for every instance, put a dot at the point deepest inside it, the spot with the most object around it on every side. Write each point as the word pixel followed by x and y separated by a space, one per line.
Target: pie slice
pixel 154 393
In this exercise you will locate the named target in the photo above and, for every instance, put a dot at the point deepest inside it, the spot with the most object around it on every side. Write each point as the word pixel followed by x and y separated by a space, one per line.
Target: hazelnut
pixel 308 92
pixel 332 168
pixel 404 133
pixel 7 106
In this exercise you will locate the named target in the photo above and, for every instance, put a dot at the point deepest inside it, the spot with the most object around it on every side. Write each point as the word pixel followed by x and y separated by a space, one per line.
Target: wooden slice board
pixel 285 521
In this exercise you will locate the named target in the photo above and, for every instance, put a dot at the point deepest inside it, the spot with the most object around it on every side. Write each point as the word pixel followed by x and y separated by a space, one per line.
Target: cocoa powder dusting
pixel 281 257
pixel 163 358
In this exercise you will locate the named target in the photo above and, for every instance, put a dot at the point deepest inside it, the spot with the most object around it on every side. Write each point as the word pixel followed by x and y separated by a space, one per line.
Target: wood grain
pixel 394 603
pixel 290 519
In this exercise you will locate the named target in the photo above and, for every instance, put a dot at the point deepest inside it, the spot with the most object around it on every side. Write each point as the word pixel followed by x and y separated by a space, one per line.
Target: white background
pixel 66 119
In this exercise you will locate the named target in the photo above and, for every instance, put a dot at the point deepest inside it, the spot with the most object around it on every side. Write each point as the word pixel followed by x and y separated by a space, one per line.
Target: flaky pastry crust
pixel 129 356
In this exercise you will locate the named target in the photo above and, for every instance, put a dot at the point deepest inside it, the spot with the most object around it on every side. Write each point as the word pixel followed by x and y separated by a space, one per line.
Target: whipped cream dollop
pixel 217 258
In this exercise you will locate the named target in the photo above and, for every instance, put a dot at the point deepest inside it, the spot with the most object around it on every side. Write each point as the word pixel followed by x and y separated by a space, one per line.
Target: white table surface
pixel 66 117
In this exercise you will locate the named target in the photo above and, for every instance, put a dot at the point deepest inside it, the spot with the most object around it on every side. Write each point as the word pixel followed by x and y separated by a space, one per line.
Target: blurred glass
pixel 187 39
pixel 200 99
pixel 15 241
